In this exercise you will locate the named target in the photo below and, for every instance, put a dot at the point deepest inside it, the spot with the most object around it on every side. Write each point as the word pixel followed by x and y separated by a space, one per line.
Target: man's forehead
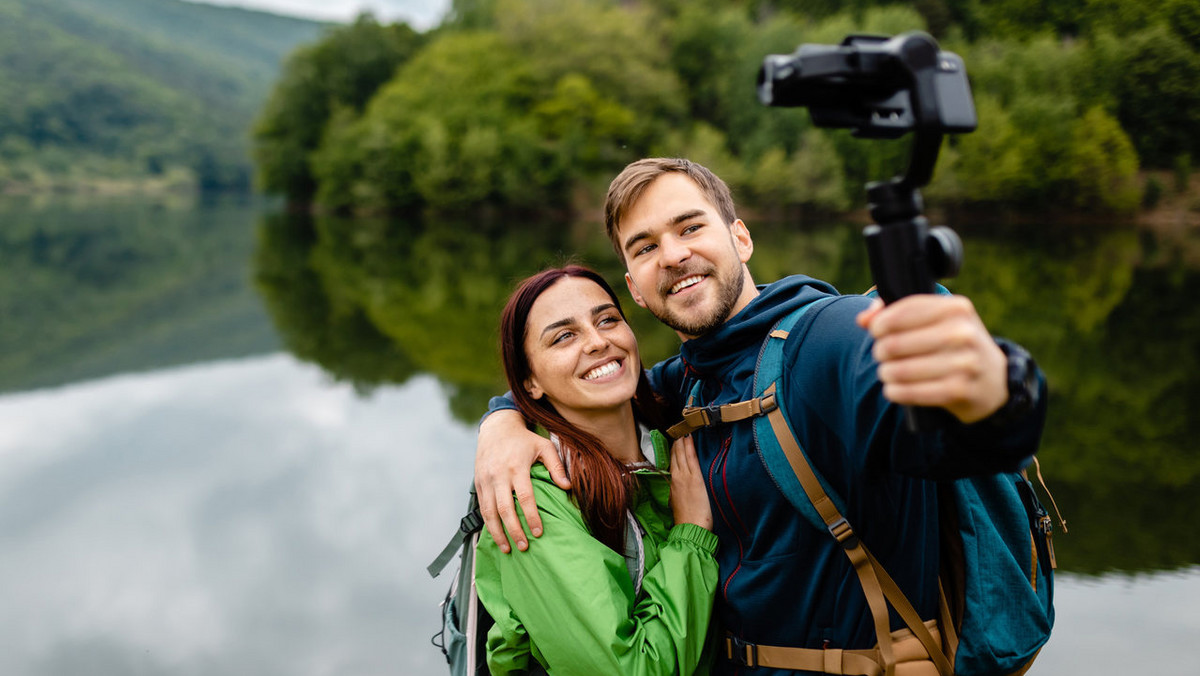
pixel 668 200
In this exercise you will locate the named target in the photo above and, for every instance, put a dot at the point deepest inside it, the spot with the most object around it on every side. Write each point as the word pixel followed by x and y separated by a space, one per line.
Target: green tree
pixel 343 70
pixel 1158 94
pixel 1103 165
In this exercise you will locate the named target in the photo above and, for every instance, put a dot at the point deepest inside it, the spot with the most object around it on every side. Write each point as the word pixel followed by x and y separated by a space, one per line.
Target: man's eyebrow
pixel 567 321
pixel 687 216
pixel 680 218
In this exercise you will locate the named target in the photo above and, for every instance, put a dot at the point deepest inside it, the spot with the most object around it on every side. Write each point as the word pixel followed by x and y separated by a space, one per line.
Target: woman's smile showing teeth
pixel 603 370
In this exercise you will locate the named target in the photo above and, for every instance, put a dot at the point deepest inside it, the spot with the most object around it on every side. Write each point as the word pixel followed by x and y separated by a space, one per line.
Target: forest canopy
pixel 535 103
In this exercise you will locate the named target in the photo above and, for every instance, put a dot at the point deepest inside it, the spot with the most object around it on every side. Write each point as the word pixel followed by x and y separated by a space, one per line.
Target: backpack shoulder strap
pixel 470 524
pixel 782 455
pixel 791 470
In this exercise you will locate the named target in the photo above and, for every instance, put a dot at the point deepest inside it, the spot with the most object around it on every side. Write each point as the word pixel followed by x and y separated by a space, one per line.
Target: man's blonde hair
pixel 627 188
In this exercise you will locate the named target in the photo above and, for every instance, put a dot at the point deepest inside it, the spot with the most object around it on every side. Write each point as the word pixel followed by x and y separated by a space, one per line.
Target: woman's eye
pixel 561 337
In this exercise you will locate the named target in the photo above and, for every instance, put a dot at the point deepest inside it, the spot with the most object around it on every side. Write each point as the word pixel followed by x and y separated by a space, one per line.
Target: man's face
pixel 685 265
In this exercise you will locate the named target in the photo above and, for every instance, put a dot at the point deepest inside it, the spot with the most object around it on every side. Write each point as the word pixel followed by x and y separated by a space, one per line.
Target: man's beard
pixel 727 297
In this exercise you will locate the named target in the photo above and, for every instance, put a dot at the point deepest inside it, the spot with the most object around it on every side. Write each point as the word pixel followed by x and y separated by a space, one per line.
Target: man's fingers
pixel 524 492
pixel 936 338
pixel 508 517
pixel 549 457
pixel 491 520
pixel 960 364
pixel 865 317
pixel 918 310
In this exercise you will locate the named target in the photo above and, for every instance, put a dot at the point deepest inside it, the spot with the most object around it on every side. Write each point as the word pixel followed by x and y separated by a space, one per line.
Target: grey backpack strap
pixel 471 523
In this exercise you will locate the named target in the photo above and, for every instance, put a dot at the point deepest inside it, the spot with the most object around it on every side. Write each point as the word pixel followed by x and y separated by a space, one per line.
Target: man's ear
pixel 533 388
pixel 741 240
pixel 633 291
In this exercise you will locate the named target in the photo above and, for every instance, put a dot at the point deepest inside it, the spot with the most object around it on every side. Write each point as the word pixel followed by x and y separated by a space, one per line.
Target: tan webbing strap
pixel 946 624
pixel 1045 527
pixel 808 481
pixel 878 585
pixel 904 608
pixel 1037 467
pixel 697 417
pixel 832 661
pixel 840 528
pixel 875 600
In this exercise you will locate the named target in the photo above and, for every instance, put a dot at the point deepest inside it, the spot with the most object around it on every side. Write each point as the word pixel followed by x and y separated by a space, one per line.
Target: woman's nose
pixel 594 341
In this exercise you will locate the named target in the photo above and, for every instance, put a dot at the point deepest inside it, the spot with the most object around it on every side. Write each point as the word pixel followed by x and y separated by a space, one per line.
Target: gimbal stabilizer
pixel 885 88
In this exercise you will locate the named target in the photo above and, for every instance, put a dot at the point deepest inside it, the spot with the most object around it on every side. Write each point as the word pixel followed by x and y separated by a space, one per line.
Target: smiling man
pixel 850 366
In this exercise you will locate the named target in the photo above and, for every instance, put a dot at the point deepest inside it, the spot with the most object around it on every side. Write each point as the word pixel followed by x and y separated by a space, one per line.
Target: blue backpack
pixel 997 573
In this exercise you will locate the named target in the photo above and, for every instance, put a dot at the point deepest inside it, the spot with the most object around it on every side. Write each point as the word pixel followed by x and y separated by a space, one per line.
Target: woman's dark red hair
pixel 601 485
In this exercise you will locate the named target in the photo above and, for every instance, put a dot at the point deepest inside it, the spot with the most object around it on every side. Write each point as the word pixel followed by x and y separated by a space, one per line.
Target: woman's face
pixel 582 355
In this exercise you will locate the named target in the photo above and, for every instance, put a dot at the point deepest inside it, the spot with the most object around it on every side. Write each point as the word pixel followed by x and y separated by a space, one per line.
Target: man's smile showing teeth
pixel 602 370
pixel 685 283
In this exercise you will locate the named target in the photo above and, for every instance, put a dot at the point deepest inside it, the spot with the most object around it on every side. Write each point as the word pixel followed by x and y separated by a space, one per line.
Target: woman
pixel 621 582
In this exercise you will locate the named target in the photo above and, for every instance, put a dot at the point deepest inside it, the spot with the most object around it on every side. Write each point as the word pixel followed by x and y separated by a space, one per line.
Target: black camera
pixel 879 87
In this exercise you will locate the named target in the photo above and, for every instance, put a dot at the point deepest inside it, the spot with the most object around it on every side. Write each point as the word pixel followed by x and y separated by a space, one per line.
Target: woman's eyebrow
pixel 568 321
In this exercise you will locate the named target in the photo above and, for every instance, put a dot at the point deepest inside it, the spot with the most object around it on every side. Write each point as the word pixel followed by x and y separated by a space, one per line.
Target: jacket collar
pixel 645 441
pixel 715 352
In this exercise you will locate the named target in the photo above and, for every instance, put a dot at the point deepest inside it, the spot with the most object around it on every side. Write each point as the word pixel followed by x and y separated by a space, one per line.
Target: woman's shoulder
pixel 548 492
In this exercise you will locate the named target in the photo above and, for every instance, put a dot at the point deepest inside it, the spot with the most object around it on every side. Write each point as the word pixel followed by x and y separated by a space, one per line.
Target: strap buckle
pixel 471 522
pixel 741 652
pixel 843 533
pixel 702 416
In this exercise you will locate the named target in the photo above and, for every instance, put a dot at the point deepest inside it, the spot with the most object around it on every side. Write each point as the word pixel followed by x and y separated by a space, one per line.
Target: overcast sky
pixel 421 14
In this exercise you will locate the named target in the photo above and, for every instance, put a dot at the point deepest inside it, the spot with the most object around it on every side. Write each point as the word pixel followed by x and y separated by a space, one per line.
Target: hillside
pixel 134 90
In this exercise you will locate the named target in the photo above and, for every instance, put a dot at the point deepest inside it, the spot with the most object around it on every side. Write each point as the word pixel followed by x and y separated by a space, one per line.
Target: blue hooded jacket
pixel 783 582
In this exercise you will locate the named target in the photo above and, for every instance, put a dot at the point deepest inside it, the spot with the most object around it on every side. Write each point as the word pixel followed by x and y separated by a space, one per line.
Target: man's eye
pixel 646 249
pixel 691 228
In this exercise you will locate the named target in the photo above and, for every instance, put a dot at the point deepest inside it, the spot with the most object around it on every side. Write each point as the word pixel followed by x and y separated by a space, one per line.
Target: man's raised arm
pixel 504 452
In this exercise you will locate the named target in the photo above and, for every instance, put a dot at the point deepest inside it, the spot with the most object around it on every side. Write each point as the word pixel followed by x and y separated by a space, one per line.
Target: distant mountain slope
pixel 121 89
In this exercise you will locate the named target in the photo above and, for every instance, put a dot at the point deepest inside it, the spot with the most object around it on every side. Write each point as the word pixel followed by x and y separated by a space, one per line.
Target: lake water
pixel 231 443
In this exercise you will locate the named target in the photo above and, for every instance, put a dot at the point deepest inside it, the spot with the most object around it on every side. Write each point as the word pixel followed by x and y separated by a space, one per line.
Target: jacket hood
pixel 716 352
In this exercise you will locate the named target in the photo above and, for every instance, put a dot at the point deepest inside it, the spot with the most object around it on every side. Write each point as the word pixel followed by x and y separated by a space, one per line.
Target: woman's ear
pixel 533 388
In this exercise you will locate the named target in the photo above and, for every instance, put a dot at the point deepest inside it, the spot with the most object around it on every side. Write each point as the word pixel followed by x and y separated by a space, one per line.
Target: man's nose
pixel 672 252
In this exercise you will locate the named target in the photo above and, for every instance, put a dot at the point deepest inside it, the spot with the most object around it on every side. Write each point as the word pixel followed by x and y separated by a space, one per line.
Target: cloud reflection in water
pixel 236 517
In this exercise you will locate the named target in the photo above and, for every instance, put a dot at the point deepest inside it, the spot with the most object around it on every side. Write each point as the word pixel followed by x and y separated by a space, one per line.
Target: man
pixel 782 582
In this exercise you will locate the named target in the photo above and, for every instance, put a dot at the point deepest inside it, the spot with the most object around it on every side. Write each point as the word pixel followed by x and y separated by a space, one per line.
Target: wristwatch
pixel 1022 385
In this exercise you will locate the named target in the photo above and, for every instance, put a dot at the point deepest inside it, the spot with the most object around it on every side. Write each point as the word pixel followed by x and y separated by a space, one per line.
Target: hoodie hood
pixel 717 352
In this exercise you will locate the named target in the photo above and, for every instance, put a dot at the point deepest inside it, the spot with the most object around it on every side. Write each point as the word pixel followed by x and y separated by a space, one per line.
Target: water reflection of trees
pixel 1107 313
pixel 1111 318
pixel 377 301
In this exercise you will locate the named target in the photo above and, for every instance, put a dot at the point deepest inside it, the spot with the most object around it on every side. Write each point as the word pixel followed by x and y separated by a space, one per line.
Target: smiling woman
pixel 623 580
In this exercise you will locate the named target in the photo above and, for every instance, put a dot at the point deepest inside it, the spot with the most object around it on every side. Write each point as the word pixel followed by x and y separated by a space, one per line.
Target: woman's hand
pixel 689 498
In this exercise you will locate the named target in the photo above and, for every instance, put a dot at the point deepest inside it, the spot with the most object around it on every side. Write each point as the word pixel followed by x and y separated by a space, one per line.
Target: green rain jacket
pixel 570 602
